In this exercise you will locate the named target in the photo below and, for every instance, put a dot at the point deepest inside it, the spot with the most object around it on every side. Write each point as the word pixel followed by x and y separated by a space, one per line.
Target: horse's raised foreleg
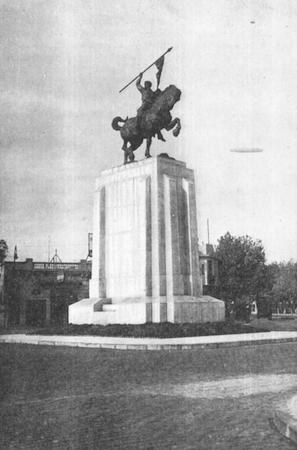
pixel 148 146
pixel 174 123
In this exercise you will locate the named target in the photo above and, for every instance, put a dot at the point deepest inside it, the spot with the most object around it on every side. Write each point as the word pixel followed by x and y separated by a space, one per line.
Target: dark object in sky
pixel 252 22
pixel 246 150
pixel 152 117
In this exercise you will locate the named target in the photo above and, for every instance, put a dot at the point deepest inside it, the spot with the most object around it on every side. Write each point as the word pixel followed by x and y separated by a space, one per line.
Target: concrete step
pixel 109 308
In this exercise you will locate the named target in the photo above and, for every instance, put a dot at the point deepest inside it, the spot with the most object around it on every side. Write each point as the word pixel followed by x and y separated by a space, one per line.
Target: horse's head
pixel 171 96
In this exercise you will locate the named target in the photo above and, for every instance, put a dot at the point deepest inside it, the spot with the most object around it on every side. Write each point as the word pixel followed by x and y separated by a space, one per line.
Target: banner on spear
pixel 159 64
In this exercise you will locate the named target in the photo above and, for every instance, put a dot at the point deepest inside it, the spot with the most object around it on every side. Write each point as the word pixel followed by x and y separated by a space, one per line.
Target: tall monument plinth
pixel 145 248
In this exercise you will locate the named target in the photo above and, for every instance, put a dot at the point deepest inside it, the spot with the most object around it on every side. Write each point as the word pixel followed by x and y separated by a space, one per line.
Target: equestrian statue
pixel 152 117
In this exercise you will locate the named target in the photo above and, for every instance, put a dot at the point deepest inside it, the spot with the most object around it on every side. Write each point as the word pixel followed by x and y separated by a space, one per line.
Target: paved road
pixel 75 398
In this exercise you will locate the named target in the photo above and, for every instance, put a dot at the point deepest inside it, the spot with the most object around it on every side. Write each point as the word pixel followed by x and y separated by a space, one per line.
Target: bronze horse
pixel 155 119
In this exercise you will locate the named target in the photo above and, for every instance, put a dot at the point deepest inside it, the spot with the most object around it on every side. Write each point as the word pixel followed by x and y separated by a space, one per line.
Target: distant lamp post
pixel 15 254
pixel 90 245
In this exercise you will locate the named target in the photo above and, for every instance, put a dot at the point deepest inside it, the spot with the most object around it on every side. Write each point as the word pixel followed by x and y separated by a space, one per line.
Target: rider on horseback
pixel 147 96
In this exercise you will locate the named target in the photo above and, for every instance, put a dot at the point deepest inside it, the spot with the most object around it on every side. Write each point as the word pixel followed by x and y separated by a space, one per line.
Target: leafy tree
pixel 284 290
pixel 243 273
pixel 3 250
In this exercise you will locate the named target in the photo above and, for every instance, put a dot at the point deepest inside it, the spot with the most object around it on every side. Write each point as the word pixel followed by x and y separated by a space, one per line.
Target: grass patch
pixel 276 324
pixel 151 330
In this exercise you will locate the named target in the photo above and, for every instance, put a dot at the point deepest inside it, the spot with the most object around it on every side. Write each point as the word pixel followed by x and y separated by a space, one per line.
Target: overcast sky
pixel 62 65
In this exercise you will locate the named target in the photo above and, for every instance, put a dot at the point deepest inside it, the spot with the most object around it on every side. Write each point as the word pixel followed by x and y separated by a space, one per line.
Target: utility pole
pixel 49 249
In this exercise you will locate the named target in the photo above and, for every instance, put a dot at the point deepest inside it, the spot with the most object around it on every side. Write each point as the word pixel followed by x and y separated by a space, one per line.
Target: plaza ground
pixel 75 398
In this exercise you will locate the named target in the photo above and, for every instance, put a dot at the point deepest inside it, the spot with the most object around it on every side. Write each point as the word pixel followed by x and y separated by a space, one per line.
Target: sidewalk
pixel 118 343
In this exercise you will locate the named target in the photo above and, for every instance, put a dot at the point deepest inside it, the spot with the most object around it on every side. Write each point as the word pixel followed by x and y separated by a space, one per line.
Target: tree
pixel 3 250
pixel 243 273
pixel 284 289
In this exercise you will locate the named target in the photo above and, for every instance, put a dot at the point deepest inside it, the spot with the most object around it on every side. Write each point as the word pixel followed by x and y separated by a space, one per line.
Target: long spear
pixel 169 50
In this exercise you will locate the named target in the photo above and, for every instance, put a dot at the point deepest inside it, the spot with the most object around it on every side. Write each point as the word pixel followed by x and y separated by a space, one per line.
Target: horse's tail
pixel 115 123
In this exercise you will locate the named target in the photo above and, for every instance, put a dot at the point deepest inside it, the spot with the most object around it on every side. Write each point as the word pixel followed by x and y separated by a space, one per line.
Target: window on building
pixel 210 277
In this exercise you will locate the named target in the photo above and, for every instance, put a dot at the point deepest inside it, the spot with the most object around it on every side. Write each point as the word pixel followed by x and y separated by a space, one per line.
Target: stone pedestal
pixel 145 248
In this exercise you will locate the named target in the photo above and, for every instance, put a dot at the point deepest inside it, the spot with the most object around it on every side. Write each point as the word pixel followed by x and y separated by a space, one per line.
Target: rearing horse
pixel 156 118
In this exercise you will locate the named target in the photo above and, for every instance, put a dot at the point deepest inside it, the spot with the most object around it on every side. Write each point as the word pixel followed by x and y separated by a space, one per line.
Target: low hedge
pixel 151 330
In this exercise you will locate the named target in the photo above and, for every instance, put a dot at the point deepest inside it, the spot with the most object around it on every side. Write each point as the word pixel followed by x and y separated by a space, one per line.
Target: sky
pixel 63 63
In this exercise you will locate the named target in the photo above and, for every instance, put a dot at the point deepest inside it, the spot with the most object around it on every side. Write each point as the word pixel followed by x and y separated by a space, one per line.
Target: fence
pixel 56 266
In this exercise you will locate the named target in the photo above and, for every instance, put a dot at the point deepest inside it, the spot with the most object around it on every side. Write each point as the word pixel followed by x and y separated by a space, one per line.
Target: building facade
pixel 39 293
pixel 209 270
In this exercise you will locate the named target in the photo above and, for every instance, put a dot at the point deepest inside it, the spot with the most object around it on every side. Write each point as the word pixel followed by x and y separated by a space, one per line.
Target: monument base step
pixel 109 308
pixel 177 309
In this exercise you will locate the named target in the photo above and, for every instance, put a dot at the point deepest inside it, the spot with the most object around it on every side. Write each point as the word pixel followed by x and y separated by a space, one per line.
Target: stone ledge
pixel 61 343
pixel 192 343
pixel 285 418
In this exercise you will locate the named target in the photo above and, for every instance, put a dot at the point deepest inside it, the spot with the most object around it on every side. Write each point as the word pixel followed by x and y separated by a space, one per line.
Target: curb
pixel 285 418
pixel 205 342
